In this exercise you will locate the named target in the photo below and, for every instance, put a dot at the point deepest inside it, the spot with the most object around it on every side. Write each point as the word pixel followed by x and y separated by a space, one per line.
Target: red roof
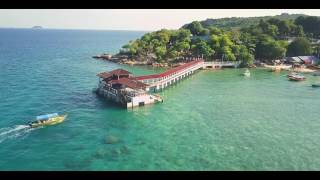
pixel 117 72
pixel 104 75
pixel 170 71
pixel 131 83
pixel 120 72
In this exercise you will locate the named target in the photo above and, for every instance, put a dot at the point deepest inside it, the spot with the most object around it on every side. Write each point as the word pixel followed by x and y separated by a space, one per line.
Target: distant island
pixel 265 39
pixel 37 27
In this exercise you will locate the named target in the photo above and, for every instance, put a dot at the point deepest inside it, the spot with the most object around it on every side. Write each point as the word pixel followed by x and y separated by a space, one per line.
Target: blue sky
pixel 128 19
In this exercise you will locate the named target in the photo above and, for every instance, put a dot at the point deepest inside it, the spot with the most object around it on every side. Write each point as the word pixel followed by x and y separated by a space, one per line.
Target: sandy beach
pixel 289 67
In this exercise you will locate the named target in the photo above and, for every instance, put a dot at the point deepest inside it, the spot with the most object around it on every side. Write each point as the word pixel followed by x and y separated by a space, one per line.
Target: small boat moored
pixel 247 73
pixel 47 119
pixel 315 85
pixel 296 77
pixel 291 74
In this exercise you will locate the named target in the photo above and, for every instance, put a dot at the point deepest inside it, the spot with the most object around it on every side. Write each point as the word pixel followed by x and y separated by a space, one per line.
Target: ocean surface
pixel 214 120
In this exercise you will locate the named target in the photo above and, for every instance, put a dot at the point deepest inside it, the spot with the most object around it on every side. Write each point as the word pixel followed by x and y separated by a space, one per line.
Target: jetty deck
pixel 121 86
pixel 165 79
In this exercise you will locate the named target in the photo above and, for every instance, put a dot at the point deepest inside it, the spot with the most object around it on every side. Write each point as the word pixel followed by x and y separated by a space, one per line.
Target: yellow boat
pixel 50 121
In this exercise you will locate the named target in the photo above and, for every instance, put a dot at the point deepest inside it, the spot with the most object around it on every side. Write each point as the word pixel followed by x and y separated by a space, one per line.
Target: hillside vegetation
pixel 240 22
pixel 230 39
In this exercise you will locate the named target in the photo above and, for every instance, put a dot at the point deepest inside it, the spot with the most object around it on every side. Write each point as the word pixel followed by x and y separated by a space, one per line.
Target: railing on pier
pixel 222 63
pixel 135 93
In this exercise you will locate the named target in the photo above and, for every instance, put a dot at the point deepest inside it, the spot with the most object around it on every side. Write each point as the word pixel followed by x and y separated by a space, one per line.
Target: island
pixel 254 41
pixel 37 27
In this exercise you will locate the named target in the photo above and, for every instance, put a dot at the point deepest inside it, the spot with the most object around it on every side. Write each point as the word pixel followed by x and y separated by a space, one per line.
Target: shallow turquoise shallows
pixel 214 120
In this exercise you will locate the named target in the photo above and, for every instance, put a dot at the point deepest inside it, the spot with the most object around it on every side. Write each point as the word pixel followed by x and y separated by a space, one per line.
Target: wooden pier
pixel 165 79
pixel 121 86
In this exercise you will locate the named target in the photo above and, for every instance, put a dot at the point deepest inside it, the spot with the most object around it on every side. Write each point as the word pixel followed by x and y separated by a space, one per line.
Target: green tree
pixel 268 28
pixel 310 24
pixel 234 35
pixel 163 36
pixel 214 42
pixel 244 56
pixel 298 31
pixel 235 49
pixel 215 31
pixel 204 32
pixel 248 40
pixel 160 52
pixel 195 28
pixel 283 44
pixel 147 37
pixel 272 30
pixel 130 48
pixel 182 46
pixel 225 41
pixel 274 21
pixel 202 48
pixel 268 49
pixel 184 35
pixel 227 54
pixel 284 28
pixel 299 47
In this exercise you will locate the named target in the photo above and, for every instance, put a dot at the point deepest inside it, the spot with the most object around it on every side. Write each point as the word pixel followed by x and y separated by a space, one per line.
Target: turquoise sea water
pixel 214 120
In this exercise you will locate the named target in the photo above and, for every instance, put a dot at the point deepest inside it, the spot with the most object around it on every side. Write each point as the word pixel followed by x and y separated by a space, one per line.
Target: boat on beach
pixel 47 119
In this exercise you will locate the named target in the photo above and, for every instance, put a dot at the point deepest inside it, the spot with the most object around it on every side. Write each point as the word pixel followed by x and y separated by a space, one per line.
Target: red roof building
pixel 115 74
pixel 130 83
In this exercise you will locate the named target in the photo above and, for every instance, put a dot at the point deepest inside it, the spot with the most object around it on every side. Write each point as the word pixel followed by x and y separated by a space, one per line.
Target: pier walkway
pixel 169 77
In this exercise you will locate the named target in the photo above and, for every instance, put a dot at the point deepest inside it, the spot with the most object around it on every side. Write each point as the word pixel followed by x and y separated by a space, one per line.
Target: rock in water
pixel 99 154
pixel 116 152
pixel 111 139
pixel 124 149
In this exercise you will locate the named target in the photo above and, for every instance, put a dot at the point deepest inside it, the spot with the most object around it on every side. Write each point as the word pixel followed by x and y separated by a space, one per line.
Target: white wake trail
pixel 13 132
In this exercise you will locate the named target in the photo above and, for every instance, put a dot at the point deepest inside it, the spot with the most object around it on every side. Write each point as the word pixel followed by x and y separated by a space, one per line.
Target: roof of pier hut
pixel 169 72
pixel 131 83
pixel 104 75
pixel 117 72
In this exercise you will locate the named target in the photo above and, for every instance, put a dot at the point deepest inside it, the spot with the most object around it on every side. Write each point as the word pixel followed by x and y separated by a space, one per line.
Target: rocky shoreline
pixel 124 59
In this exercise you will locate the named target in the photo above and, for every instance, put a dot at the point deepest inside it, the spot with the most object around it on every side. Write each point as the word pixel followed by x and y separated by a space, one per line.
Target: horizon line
pixel 44 28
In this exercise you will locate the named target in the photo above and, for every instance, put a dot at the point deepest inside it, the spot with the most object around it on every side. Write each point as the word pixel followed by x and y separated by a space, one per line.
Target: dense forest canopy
pixel 261 38
pixel 240 22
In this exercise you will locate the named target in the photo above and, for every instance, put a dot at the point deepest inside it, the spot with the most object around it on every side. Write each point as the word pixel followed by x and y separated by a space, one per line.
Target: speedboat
pixel 246 73
pixel 292 74
pixel 296 77
pixel 47 119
